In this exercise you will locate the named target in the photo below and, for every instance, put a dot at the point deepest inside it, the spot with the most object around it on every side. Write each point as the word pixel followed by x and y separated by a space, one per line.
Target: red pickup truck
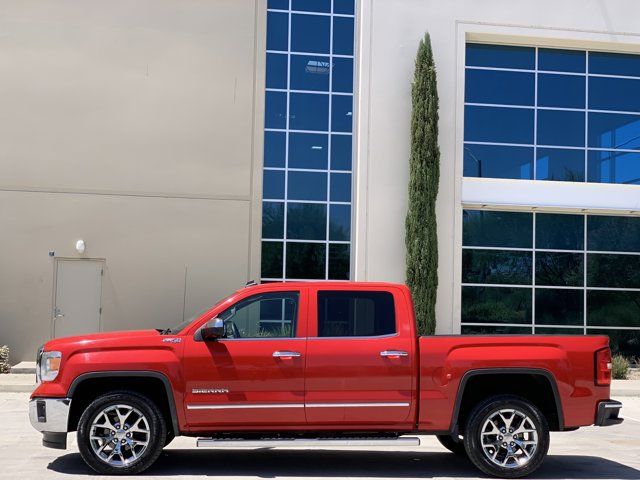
pixel 326 364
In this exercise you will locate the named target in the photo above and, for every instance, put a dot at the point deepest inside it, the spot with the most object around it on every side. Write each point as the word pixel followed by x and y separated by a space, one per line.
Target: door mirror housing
pixel 212 330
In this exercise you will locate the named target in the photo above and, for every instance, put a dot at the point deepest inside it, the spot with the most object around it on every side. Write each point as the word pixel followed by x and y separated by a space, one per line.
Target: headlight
pixel 48 366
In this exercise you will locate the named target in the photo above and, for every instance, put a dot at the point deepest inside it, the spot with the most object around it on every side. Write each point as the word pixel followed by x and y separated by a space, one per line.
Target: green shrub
pixel 5 367
pixel 620 367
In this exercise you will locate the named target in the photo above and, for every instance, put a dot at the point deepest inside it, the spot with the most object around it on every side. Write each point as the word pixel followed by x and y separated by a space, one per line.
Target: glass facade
pixel 306 217
pixel 550 114
pixel 549 273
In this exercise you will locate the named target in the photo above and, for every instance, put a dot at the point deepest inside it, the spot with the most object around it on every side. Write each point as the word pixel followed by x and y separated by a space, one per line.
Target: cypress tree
pixel 424 173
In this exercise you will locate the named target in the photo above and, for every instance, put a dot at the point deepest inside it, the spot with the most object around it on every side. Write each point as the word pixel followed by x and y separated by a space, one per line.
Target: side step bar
pixel 310 442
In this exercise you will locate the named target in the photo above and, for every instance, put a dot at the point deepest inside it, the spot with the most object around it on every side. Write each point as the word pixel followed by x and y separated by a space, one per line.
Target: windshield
pixel 181 326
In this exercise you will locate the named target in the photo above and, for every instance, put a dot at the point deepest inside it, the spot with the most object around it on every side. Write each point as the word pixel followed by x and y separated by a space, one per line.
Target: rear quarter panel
pixel 444 361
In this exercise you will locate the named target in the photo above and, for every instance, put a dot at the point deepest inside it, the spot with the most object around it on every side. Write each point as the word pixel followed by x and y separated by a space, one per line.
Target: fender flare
pixel 133 374
pixel 453 427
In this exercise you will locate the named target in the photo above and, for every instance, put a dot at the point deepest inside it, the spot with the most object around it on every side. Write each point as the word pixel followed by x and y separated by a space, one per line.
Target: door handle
pixel 285 355
pixel 393 353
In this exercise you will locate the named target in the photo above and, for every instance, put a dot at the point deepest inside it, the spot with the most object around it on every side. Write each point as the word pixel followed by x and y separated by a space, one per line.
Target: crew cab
pixel 327 364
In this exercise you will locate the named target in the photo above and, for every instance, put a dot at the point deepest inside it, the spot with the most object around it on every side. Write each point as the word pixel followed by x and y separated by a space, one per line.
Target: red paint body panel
pixel 416 392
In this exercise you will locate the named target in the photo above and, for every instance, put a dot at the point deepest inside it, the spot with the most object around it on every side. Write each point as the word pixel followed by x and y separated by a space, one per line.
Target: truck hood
pixel 124 338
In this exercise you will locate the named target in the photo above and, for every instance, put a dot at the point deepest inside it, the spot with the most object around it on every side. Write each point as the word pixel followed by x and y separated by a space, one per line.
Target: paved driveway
pixel 589 453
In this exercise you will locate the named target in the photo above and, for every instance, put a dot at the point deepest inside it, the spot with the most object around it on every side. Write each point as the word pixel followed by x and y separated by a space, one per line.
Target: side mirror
pixel 212 330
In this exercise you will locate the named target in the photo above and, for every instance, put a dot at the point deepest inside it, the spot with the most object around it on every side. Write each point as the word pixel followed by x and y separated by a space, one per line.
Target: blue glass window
pixel 560 164
pixel 614 167
pixel 309 111
pixel 614 64
pixel 311 5
pixel 343 7
pixel 343 35
pixel 341 152
pixel 275 110
pixel 560 127
pixel 272 219
pixel 276 70
pixel 501 56
pixel 308 150
pixel 306 221
pixel 341 113
pixel 278 4
pixel 499 87
pixel 277 31
pixel 310 73
pixel 342 80
pixel 556 60
pixel 310 33
pixel 620 94
pixel 275 145
pixel 340 187
pixel 273 184
pixel 561 90
pixel 495 124
pixel 271 261
pixel 614 130
pixel 307 186
pixel 306 215
pixel 306 260
pixel 496 161
pixel 340 222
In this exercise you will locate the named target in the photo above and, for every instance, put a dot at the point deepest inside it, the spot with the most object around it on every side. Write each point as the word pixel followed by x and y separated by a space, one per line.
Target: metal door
pixel 77 299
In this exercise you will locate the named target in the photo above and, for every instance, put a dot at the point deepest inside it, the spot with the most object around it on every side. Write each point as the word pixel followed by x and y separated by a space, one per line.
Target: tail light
pixel 603 367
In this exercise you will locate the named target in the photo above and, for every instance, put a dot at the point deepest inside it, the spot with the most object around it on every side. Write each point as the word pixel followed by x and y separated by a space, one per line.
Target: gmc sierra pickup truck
pixel 326 364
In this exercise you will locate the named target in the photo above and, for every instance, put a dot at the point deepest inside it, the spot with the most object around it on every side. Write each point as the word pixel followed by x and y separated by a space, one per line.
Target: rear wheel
pixel 507 436
pixel 455 445
pixel 121 433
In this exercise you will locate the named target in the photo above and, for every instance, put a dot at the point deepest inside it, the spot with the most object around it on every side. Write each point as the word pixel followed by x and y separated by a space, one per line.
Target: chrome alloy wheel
pixel 119 435
pixel 509 438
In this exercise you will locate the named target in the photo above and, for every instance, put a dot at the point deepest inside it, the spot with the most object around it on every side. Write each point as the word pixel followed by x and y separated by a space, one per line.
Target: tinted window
pixel 277 31
pixel 559 268
pixel 497 229
pixel 614 130
pixel 498 161
pixel 558 127
pixel 306 221
pixel 340 222
pixel 341 152
pixel 496 124
pixel 606 166
pixel 308 150
pixel 355 314
pixel 559 307
pixel 306 260
pixel 560 164
pixel 342 75
pixel 276 70
pixel 310 33
pixel 501 56
pixel 343 36
pixel 614 64
pixel 496 305
pixel 310 73
pixel 557 60
pixel 341 113
pixel 308 111
pixel 500 87
pixel 496 266
pixel 561 90
pixel 272 219
pixel 266 315
pixel 614 94
pixel 559 231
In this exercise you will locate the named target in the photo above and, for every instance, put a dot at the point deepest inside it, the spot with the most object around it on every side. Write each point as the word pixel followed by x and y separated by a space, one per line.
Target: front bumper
pixel 51 417
pixel 608 413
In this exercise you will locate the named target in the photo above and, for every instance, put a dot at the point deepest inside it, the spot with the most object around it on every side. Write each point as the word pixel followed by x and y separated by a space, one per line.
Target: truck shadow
pixel 268 463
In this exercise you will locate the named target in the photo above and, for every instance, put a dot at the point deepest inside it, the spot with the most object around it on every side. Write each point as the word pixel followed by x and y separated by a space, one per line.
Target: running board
pixel 310 442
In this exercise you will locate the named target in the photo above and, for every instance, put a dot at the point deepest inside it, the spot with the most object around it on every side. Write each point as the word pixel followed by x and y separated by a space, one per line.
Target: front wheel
pixel 507 436
pixel 121 433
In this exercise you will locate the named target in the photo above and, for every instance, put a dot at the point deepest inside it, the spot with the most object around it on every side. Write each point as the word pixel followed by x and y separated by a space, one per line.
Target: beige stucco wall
pixel 388 39
pixel 137 127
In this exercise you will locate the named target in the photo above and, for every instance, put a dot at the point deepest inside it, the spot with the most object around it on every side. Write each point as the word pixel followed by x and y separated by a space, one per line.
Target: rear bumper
pixel 51 417
pixel 608 413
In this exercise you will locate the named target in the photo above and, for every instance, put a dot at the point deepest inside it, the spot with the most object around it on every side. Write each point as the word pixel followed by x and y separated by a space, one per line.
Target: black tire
pixel 486 410
pixel 157 433
pixel 452 444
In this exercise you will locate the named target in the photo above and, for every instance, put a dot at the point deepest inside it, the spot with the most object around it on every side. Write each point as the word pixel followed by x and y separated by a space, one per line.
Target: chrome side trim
pixel 247 405
pixel 295 405
pixel 357 405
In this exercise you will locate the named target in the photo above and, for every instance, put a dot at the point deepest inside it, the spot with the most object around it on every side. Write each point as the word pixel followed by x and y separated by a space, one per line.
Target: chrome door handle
pixel 285 354
pixel 393 353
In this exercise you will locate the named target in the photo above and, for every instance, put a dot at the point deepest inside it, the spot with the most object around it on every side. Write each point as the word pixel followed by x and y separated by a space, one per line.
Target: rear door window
pixel 355 314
